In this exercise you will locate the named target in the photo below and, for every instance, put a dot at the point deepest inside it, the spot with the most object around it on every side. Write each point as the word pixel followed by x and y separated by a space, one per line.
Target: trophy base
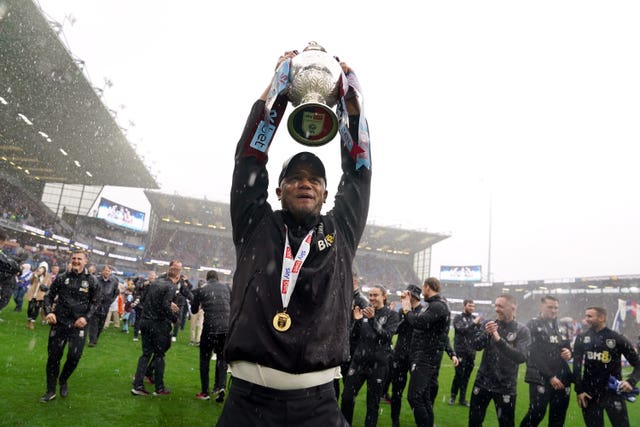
pixel 313 124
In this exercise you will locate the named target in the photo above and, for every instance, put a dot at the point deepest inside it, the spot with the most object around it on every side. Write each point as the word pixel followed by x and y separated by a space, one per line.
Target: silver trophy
pixel 314 91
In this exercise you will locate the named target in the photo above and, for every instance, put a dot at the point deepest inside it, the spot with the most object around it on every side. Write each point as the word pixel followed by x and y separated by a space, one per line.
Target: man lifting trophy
pixel 292 290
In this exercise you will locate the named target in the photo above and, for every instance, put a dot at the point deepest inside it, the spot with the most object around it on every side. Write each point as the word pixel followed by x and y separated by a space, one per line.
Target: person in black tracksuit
pixel 158 314
pixel 374 327
pixel 287 340
pixel 76 297
pixel 401 357
pixel 505 343
pixel 466 325
pixel 548 372
pixel 359 300
pixel 109 291
pixel 597 356
pixel 8 270
pixel 428 342
pixel 214 299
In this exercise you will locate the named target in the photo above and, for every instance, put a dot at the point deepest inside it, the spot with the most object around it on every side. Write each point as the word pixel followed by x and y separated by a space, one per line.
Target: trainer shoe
pixel 219 394
pixel 202 396
pixel 163 392
pixel 452 401
pixel 50 395
pixel 64 390
pixel 174 339
pixel 139 391
pixel 135 339
pixel 465 403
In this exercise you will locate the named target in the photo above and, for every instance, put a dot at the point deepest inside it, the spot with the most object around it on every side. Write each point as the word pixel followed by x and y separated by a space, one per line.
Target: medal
pixel 281 321
pixel 290 270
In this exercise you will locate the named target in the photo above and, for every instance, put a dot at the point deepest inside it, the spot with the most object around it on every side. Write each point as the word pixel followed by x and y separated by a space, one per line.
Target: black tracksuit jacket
pixel 430 331
pixel 597 356
pixel 544 361
pixel 77 295
pixel 498 371
pixel 320 306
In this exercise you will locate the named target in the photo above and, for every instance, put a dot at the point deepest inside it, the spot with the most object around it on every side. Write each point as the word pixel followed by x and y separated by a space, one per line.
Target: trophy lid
pixel 314 46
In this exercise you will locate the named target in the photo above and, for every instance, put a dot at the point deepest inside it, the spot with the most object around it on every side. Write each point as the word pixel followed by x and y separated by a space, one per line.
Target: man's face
pixel 106 272
pixel 376 298
pixel 55 270
pixel 469 307
pixel 594 320
pixel 302 192
pixel 152 276
pixel 504 309
pixel 549 309
pixel 78 262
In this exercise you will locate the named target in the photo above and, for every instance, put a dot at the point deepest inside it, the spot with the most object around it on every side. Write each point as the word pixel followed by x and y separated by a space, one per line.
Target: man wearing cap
pixel 400 362
pixel 465 324
pixel 292 290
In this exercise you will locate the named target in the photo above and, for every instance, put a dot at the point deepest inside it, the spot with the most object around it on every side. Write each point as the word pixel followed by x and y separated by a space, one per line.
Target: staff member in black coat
pixel 466 325
pixel 597 356
pixel 109 291
pixel 374 326
pixel 214 299
pixel 8 270
pixel 505 343
pixel 548 372
pixel 292 289
pixel 76 296
pixel 428 342
pixel 155 327
pixel 401 358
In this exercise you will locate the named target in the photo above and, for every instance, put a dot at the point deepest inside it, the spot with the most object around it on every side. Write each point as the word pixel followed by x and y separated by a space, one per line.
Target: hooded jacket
pixel 320 306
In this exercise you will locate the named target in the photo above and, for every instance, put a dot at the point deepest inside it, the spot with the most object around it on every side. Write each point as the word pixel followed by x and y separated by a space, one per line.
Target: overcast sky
pixel 528 110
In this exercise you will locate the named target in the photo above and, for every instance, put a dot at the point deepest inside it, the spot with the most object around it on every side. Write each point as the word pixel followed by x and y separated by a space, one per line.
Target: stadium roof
pixel 53 125
pixel 188 210
pixel 397 240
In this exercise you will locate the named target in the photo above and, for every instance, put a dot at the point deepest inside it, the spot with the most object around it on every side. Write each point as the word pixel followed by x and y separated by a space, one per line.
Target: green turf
pixel 99 388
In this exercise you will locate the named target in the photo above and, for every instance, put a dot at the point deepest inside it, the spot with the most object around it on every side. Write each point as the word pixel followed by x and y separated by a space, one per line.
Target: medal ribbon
pixel 291 266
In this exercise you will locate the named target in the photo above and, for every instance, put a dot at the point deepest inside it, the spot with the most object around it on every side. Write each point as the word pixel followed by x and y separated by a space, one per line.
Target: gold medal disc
pixel 281 322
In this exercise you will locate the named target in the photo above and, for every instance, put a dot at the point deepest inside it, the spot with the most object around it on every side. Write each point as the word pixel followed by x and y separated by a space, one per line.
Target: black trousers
pixel 156 341
pixel 541 396
pixel 423 389
pixel 96 324
pixel 6 291
pixel 400 366
pixel 462 375
pixel 212 343
pixel 250 405
pixel 614 405
pixel 505 407
pixel 374 373
pixel 59 336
